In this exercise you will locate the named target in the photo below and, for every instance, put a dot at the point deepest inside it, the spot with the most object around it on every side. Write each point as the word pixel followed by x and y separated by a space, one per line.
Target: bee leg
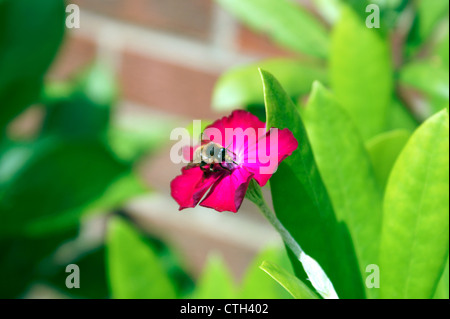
pixel 211 167
pixel 202 166
pixel 225 167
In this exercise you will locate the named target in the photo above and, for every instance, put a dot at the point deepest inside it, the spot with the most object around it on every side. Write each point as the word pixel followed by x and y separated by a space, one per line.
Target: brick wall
pixel 168 53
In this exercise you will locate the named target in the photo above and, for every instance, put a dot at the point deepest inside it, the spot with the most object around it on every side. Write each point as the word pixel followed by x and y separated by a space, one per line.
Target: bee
pixel 211 154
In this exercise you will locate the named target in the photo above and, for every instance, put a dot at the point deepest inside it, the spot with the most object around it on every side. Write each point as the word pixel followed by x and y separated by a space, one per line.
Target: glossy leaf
pixel 43 186
pixel 286 23
pixel 442 289
pixel 257 285
pixel 302 203
pixel 346 170
pixel 216 281
pixel 361 73
pixel 135 271
pixel 384 150
pixel 414 240
pixel 241 86
pixel 292 284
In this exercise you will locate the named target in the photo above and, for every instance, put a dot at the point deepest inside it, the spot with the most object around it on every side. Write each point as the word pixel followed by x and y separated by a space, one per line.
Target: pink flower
pixel 252 152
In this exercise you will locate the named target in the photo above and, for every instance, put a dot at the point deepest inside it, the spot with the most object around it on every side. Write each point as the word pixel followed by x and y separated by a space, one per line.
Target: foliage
pixel 369 182
pixel 71 166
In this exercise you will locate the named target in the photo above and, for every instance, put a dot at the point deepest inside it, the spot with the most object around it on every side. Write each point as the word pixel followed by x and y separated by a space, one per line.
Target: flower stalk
pixel 254 194
pixel 315 273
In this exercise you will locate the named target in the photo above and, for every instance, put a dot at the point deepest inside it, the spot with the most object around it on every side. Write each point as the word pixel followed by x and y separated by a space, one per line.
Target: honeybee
pixel 211 154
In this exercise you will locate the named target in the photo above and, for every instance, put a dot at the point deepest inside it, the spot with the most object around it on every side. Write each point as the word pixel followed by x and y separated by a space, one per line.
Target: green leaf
pixel 76 116
pixel 441 49
pixel 389 12
pixel 292 284
pixel 241 86
pixel 30 34
pixel 428 16
pixel 117 193
pixel 173 263
pixel 47 185
pixel 398 117
pixel 347 172
pixel 93 278
pixel 361 73
pixel 215 282
pixel 430 12
pixel 426 76
pixel 328 9
pixel 384 150
pixel 134 270
pixel 286 23
pixel 257 285
pixel 429 78
pixel 414 241
pixel 16 96
pixel 21 260
pixel 442 289
pixel 84 107
pixel 302 203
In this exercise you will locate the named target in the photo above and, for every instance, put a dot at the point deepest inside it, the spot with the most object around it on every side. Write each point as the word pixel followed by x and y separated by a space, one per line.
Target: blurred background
pixel 95 141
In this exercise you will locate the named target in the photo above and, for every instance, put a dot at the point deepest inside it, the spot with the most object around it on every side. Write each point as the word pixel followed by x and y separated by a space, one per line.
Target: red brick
pixel 250 42
pixel 187 17
pixel 172 88
pixel 75 53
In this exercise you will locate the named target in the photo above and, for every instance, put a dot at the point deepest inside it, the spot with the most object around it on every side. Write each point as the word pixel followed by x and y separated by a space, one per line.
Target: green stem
pixel 255 195
pixel 315 273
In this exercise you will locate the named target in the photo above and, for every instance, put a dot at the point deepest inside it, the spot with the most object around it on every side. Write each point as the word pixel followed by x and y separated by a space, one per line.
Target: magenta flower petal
pixel 228 192
pixel 189 187
pixel 188 152
pixel 263 162
pixel 238 119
